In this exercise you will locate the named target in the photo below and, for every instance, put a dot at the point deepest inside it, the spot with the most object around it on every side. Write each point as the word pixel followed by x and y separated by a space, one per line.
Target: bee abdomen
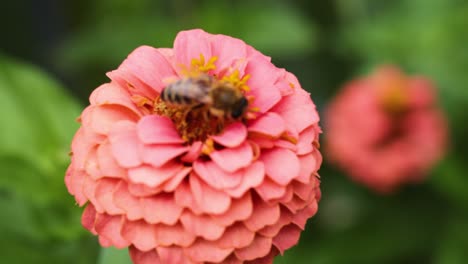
pixel 182 92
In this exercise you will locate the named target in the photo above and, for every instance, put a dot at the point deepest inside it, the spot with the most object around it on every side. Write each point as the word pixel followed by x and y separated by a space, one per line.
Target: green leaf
pixel 114 256
pixel 40 222
pixel 40 117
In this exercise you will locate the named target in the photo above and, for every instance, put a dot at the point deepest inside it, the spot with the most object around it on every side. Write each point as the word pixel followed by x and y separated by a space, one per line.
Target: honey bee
pixel 222 99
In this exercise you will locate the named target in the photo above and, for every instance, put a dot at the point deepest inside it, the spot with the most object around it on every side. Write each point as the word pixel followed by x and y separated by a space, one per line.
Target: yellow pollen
pixel 239 83
pixel 254 109
pixel 291 85
pixel 208 147
pixel 199 65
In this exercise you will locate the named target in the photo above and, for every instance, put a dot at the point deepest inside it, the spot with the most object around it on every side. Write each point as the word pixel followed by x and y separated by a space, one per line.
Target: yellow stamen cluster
pixel 240 83
pixel 199 65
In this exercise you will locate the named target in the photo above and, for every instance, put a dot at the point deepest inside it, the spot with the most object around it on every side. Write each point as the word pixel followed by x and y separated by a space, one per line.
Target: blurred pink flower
pixel 386 129
pixel 173 195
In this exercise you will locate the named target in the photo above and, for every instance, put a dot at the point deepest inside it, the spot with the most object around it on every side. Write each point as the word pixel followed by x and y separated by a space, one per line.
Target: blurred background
pixel 54 53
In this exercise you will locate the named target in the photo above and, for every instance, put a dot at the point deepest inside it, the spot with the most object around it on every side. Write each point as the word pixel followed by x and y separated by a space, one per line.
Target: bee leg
pixel 190 109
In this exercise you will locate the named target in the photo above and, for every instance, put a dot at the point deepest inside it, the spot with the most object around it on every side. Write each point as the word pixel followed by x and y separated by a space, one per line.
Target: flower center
pixel 394 99
pixel 201 103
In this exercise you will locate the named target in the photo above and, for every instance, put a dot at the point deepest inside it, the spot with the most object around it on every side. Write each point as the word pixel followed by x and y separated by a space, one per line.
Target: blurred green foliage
pixel 324 43
pixel 39 223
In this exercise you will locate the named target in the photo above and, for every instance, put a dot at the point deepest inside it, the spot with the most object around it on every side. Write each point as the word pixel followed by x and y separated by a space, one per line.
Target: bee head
pixel 239 108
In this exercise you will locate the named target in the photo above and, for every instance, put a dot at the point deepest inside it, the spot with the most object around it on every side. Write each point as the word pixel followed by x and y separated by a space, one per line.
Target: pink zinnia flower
pixel 175 188
pixel 386 129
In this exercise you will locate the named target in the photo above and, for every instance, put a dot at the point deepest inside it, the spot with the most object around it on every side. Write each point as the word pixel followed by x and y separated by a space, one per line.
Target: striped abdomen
pixel 187 91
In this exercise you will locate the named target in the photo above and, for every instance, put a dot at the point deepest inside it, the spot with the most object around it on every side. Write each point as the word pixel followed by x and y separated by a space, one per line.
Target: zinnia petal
pixel 155 129
pixel 232 136
pixel 281 165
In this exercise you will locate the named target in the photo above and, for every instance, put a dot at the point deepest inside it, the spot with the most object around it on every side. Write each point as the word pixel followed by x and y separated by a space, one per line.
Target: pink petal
pixel 167 52
pixel 240 210
pixel 286 144
pixel 80 147
pixel 208 199
pixel 88 218
pixel 253 177
pixel 153 177
pixel 228 50
pixel 233 159
pixel 158 155
pixel 171 184
pixel 154 129
pixel 104 242
pixel 148 257
pixel 161 208
pixel 112 94
pixel 214 176
pixel 207 251
pixel 232 136
pixel 269 190
pixel 91 165
pixel 101 118
pixel 140 234
pixel 308 167
pixel 127 202
pixel 273 230
pixel 109 227
pixel 306 138
pixel 286 83
pixel 236 236
pixel 281 165
pixel 105 196
pixel 288 237
pixel 173 235
pixel 75 183
pixel 149 65
pixel 184 198
pixel 263 215
pixel 142 190
pixel 260 247
pixel 173 255
pixel 297 110
pixel 107 163
pixel 232 259
pixel 190 44
pixel 261 141
pixel 125 144
pixel 270 124
pixel 268 259
pixel 128 80
pixel 302 190
pixel 262 77
pixel 201 226
pixel 300 218
pixel 295 204
pixel 288 196
pixel 89 190
pixel 193 153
